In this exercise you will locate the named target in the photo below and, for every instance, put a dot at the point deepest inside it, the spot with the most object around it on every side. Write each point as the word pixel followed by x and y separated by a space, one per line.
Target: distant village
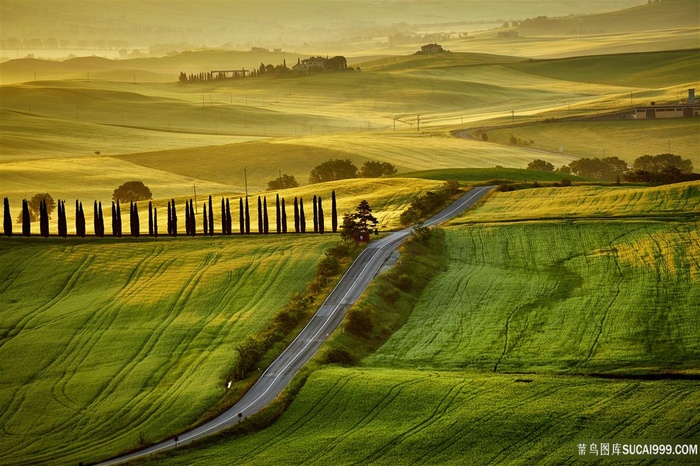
pixel 305 66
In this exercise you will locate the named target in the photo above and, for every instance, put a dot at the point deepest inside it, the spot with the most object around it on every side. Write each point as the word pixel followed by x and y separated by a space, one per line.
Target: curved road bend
pixel 322 324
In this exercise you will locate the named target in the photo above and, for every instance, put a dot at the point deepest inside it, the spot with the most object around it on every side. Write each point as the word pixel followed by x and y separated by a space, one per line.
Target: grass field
pixel 129 336
pixel 488 174
pixel 500 360
pixel 681 199
pixel 389 416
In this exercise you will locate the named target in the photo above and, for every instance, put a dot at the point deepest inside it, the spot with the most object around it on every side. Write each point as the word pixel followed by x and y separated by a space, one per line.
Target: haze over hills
pixel 33 26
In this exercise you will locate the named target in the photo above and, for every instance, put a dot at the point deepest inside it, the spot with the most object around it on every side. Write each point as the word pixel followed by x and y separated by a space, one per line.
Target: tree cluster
pixel 662 168
pixel 359 222
pixel 341 169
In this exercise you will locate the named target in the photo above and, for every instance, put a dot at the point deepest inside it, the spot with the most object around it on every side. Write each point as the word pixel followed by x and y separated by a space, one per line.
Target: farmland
pixel 129 337
pixel 556 313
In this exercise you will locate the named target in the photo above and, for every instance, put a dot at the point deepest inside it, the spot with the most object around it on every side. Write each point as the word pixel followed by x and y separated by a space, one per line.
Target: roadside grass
pixel 674 200
pixel 396 416
pixel 102 342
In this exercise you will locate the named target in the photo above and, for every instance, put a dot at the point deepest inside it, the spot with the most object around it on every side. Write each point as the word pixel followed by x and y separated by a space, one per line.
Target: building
pixel 431 48
pixel 653 111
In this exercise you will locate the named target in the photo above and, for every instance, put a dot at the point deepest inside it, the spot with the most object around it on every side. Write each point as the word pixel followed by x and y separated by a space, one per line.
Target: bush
pixel 540 165
pixel 360 322
pixel 340 356
pixel 283 182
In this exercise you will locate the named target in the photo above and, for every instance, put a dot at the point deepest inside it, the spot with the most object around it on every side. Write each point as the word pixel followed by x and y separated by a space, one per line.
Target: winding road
pixel 322 324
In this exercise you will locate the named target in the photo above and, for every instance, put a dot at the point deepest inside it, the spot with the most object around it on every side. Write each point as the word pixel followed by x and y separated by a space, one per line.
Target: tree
pixel 188 220
pixel 224 218
pixel 282 182
pixel 284 217
pixel 315 215
pixel 118 217
pixel 79 219
pixel 155 222
pixel 205 222
pixel 211 217
pixel 360 221
pixel 302 217
pixel 247 217
pixel 95 220
pixel 101 221
pixel 260 218
pixel 266 221
pixel 26 219
pixel 373 169
pixel 150 218
pixel 334 213
pixel 132 191
pixel 540 165
pixel 136 229
pixel 608 168
pixel 321 222
pixel 658 163
pixel 174 213
pixel 296 215
pixel 333 170
pixel 279 214
pixel 43 220
pixel 62 222
pixel 7 219
pixel 35 205
pixel 241 217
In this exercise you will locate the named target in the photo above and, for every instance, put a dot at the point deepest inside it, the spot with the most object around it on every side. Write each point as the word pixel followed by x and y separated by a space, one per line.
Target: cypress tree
pixel 192 220
pixel 223 216
pixel 137 221
pixel 188 223
pixel 150 218
pixel 155 222
pixel 315 216
pixel 241 219
pixel 114 220
pixel 119 220
pixel 302 217
pixel 26 225
pixel 95 220
pixel 62 222
pixel 170 220
pixel 247 217
pixel 260 218
pixel 206 220
pixel 266 223
pixel 284 217
pixel 334 213
pixel 321 221
pixel 229 223
pixel 80 220
pixel 296 215
pixel 279 214
pixel 43 220
pixel 77 218
pixel 7 219
pixel 211 218
pixel 131 218
pixel 101 222
pixel 174 219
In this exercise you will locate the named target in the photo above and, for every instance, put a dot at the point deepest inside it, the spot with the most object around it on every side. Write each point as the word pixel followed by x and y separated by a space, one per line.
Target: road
pixel 322 324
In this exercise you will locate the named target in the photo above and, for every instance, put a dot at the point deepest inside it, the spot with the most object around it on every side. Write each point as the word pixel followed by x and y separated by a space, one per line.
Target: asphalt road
pixel 322 324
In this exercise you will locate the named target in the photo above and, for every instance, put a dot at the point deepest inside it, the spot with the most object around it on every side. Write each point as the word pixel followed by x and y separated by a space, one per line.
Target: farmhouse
pixel 654 111
pixel 431 48
pixel 321 63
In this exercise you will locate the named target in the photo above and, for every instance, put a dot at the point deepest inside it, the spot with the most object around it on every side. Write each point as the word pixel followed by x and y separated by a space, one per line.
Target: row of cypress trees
pixel 172 225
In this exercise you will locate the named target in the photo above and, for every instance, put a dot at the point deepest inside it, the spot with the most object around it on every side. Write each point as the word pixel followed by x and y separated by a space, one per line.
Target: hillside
pixel 536 335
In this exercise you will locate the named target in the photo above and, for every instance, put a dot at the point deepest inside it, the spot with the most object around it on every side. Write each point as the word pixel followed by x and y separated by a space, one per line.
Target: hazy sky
pixel 268 22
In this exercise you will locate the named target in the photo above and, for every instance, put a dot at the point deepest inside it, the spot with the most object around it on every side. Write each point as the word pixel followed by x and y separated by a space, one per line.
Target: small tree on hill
pixel 132 191
pixel 360 221
pixel 540 165
pixel 333 170
pixel 282 182
pixel 35 205
pixel 373 169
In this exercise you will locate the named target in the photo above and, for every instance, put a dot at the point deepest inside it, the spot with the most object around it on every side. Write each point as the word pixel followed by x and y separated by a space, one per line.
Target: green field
pixel 538 334
pixel 101 342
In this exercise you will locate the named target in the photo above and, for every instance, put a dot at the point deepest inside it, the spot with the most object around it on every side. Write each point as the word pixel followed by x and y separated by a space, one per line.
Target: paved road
pixel 321 325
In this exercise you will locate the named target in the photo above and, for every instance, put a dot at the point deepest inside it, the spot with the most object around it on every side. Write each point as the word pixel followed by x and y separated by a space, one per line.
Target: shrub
pixel 340 356
pixel 360 322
